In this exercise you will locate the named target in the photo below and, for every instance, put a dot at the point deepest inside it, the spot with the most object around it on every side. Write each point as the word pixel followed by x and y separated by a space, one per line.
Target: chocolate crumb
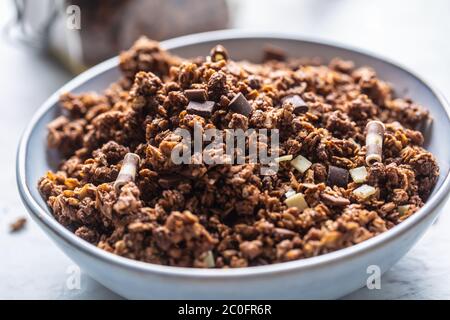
pixel 18 225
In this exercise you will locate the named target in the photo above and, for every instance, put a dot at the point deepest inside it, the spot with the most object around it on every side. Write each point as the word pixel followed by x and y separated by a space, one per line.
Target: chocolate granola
pixel 324 197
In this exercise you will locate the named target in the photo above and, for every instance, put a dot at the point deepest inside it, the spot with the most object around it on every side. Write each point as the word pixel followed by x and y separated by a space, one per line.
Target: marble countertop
pixel 413 32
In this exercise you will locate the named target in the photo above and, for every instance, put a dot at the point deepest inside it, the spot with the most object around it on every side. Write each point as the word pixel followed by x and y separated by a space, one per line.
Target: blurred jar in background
pixel 95 30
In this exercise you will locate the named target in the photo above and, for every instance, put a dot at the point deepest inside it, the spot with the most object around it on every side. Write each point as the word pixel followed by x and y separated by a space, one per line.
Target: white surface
pixel 413 32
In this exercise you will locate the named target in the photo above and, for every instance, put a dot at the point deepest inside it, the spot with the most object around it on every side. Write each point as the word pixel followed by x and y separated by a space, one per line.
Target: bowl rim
pixel 47 221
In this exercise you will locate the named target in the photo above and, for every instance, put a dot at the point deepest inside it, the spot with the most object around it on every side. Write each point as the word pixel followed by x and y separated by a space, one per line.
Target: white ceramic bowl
pixel 328 276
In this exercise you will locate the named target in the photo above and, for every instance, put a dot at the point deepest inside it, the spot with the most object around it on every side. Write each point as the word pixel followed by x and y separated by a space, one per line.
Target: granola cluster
pixel 199 215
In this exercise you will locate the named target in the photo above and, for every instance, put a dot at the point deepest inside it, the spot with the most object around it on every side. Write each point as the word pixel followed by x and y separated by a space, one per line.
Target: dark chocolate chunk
pixel 297 102
pixel 203 109
pixel 239 104
pixel 199 95
pixel 218 53
pixel 273 53
pixel 337 176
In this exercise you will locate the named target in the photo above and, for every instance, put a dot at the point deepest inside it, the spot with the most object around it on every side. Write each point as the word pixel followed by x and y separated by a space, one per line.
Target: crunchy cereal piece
pixel 217 85
pixel 146 55
pixel 251 249
pixel 218 53
pixel 336 201
pixel 18 225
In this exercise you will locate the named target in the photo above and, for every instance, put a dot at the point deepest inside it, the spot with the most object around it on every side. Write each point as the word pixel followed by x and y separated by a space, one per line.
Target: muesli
pixel 349 159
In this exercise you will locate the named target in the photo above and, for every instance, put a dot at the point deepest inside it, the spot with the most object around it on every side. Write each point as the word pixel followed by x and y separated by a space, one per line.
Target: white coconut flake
pixel 301 163
pixel 289 193
pixel 364 191
pixel 297 201
pixel 359 175
pixel 284 158
pixel 209 260
pixel 403 209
